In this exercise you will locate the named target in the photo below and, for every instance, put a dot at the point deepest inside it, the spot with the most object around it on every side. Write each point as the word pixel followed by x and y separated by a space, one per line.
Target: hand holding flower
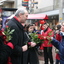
pixel 33 44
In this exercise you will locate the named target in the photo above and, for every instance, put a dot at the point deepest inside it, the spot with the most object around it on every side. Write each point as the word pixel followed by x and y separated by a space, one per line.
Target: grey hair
pixel 21 10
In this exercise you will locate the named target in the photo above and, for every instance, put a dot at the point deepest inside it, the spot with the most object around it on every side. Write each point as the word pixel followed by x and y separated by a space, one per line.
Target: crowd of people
pixel 17 51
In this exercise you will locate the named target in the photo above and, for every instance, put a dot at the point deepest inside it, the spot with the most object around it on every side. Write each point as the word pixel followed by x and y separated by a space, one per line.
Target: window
pixel 56 4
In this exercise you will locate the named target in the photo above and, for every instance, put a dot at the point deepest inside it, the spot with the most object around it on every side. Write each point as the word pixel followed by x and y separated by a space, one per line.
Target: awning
pixel 37 16
pixel 49 13
pixel 53 12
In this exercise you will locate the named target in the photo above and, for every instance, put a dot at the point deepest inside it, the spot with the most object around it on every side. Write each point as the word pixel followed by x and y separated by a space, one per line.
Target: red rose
pixel 1 33
pixel 38 35
pixel 3 29
pixel 4 37
pixel 29 43
pixel 7 26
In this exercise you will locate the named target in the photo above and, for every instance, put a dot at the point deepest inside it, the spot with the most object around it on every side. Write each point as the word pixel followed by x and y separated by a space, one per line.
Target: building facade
pixel 49 7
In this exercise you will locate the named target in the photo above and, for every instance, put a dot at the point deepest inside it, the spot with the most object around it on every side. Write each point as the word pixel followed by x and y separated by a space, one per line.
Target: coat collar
pixel 18 23
pixel 16 18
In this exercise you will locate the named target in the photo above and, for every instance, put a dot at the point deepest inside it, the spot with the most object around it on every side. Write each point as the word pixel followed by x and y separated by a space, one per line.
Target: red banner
pixel 25 0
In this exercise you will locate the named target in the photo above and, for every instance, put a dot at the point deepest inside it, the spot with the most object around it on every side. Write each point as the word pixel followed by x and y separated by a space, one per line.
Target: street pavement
pixel 41 58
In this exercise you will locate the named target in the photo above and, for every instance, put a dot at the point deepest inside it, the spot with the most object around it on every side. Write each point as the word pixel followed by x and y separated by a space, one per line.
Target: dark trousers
pixel 48 54
pixel 57 61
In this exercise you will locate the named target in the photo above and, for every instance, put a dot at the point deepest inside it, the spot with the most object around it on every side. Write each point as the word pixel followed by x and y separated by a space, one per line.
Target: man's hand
pixel 33 44
pixel 25 47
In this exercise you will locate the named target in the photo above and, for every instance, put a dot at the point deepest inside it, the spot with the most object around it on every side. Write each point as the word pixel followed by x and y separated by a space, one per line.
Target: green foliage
pixel 49 37
pixel 35 38
pixel 8 33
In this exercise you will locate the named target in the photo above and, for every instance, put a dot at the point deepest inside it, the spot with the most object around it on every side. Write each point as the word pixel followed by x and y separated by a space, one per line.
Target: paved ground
pixel 41 58
pixel 41 62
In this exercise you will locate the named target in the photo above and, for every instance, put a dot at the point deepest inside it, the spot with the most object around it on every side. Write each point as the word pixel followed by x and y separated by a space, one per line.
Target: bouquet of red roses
pixel 7 33
pixel 37 38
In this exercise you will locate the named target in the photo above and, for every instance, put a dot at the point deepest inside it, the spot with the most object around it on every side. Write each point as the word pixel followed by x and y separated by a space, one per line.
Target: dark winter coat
pixel 5 50
pixel 30 56
pixel 17 40
pixel 58 37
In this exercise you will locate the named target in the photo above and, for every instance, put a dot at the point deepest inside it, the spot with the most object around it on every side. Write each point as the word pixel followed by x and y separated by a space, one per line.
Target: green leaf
pixel 8 33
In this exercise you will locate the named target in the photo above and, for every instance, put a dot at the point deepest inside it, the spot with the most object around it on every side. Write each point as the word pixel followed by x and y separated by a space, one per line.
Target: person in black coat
pixel 30 56
pixel 16 23
pixel 5 48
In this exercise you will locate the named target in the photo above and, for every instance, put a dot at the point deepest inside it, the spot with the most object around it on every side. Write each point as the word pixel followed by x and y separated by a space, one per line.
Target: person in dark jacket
pixel 30 56
pixel 5 48
pixel 60 46
pixel 58 37
pixel 18 35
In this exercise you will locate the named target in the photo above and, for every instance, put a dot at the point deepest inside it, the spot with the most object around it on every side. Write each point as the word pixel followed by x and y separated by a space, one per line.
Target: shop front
pixel 35 18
